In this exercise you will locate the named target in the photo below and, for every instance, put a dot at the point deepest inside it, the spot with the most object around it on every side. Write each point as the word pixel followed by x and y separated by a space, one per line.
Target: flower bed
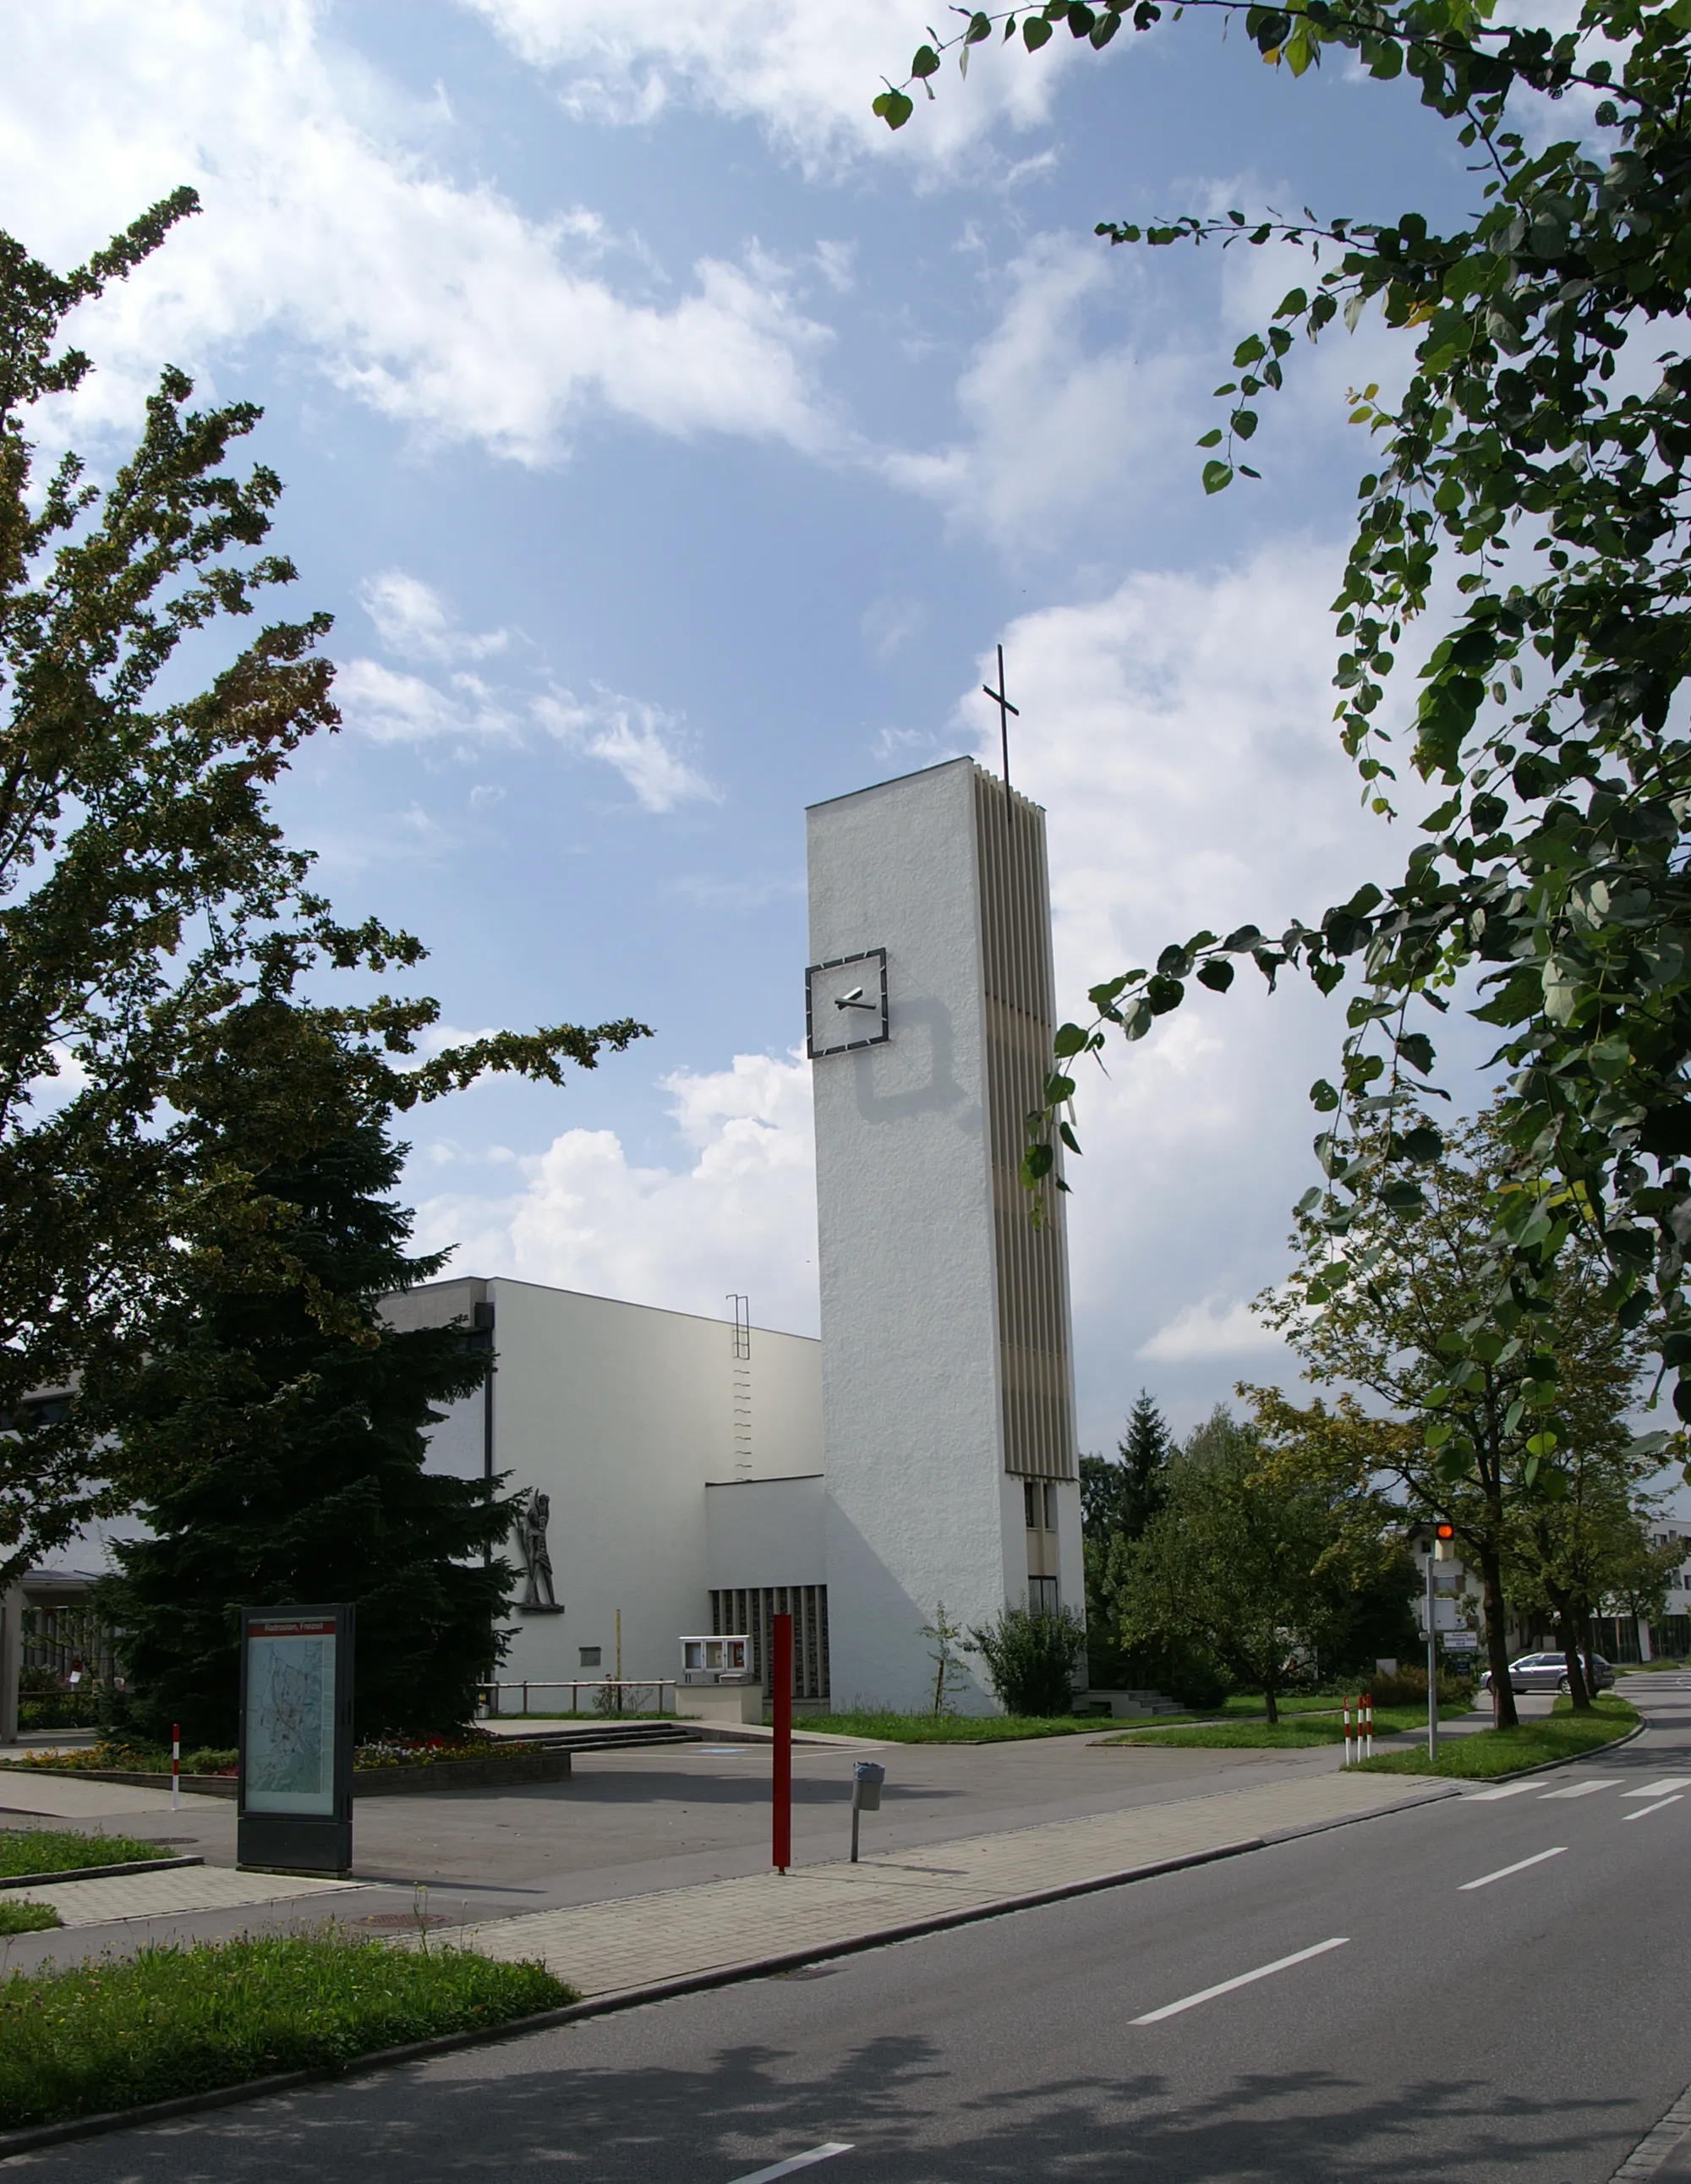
pixel 392 1766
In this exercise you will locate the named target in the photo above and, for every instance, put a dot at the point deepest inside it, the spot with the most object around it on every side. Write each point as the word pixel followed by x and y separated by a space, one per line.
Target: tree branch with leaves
pixel 1553 874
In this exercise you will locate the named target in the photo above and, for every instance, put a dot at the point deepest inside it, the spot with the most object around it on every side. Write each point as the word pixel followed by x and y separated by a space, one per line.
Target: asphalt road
pixel 1485 1988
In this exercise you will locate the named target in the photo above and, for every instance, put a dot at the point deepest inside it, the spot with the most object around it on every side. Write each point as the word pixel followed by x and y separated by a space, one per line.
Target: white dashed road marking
pixel 798 2161
pixel 1503 1872
pixel 1644 1811
pixel 1583 1789
pixel 1244 1979
pixel 1661 1789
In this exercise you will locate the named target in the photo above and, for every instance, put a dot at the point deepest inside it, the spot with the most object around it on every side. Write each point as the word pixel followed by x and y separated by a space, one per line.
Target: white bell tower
pixel 948 1400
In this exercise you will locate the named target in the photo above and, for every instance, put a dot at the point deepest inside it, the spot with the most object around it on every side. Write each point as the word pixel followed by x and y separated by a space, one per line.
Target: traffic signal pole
pixel 1432 1662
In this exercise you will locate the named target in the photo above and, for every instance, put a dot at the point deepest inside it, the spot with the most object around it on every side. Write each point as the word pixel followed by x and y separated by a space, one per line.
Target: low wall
pixel 367 1782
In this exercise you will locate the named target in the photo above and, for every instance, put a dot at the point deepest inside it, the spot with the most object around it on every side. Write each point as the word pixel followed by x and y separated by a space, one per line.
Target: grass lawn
pixel 1240 1713
pixel 950 1728
pixel 1297 1733
pixel 182 2020
pixel 1492 1751
pixel 59 1850
pixel 22 1918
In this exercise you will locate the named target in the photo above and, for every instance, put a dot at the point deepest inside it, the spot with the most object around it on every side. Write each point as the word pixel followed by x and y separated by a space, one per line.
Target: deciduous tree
pixel 1417 1333
pixel 145 889
pixel 1541 445
pixel 1252 1564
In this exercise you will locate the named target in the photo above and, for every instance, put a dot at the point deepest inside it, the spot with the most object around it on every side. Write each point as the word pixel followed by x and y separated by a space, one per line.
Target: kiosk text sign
pixel 296 1806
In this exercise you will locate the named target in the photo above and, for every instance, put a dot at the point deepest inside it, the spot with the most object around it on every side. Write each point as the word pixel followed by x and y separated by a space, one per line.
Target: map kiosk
pixel 295 1808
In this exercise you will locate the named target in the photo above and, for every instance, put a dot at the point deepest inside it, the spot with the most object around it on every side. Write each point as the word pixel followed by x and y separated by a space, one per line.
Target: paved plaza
pixel 647 1865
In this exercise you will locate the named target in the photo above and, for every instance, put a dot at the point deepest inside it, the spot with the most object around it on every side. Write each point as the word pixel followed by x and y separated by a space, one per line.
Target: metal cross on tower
pixel 1005 708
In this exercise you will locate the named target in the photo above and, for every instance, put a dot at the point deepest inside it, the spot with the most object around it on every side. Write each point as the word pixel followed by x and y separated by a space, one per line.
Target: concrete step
pixel 609 1735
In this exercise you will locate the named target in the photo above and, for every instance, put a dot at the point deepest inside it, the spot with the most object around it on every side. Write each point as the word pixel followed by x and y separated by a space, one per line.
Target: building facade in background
pixel 702 1475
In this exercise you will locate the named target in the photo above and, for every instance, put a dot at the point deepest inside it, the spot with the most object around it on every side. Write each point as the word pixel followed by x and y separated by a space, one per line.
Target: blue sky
pixel 672 446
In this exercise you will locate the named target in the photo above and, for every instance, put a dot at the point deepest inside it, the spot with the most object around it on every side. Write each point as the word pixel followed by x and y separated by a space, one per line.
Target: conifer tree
pixel 1145 1450
pixel 275 1434
pixel 1118 1499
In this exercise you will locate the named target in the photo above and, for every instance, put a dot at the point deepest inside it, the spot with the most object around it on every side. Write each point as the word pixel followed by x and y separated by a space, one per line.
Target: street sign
pixel 1460 1641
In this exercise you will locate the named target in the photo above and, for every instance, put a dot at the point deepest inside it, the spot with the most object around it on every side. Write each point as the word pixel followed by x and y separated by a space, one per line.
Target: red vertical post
pixel 781 1674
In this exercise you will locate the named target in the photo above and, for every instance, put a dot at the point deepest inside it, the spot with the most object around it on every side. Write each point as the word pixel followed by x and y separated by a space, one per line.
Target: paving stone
pixel 181 1888
pixel 639 1941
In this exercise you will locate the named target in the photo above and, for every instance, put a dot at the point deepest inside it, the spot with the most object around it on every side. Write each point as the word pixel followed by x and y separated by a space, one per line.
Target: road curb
pixel 95 1872
pixel 618 1999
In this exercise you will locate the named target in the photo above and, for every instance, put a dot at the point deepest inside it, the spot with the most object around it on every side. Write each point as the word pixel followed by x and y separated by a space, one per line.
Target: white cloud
pixel 412 619
pixel 641 742
pixel 1179 733
pixel 393 708
pixel 807 73
pixel 436 302
pixel 1052 428
pixel 1210 1329
pixel 739 1215
pixel 889 624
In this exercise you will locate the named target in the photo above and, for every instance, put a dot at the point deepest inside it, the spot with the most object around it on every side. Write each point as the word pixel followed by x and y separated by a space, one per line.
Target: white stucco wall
pixel 764 1531
pixel 918 1508
pixel 622 1414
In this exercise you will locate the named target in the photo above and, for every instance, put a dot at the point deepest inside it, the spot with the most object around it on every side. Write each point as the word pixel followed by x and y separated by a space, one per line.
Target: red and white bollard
pixel 1368 1724
pixel 1348 1755
pixel 175 1766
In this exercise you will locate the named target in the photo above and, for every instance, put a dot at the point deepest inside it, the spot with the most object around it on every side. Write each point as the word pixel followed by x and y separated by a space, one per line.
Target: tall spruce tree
pixel 1118 1499
pixel 276 1431
pixel 1145 1449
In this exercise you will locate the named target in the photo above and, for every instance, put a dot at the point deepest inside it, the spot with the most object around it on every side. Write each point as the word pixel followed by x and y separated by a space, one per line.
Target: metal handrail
pixel 576 1686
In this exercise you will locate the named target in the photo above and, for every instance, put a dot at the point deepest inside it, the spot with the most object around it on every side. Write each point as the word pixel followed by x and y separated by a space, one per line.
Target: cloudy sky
pixel 672 446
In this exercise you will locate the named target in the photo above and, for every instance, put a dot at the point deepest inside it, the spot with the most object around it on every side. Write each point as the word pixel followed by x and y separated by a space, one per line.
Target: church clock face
pixel 845 1003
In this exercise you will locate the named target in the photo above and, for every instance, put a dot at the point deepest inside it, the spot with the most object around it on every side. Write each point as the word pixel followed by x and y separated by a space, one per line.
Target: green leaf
pixel 1216 974
pixel 1217 476
pixel 894 109
pixel 1069 1040
pixel 1034 33
pixel 926 64
pixel 1323 1096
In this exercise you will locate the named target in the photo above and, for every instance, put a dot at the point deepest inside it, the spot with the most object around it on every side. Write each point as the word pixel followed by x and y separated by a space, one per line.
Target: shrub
pixel 1408 1687
pixel 1195 1679
pixel 1030 1657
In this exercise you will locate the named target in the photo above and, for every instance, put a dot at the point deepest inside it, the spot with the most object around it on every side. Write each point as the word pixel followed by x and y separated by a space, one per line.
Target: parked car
pixel 1548 1672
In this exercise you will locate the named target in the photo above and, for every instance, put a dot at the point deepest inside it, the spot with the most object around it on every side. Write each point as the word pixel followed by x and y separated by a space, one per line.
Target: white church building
pixel 702 1475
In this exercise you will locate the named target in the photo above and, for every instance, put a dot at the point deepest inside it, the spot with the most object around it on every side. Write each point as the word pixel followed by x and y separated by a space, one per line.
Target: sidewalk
pixel 692 1936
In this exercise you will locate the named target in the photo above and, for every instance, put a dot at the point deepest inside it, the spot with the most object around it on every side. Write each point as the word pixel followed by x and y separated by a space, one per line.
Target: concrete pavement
pixel 685 1934
pixel 635 1824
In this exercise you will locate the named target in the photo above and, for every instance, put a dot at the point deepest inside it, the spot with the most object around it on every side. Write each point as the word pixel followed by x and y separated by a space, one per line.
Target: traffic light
pixel 1443 1531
